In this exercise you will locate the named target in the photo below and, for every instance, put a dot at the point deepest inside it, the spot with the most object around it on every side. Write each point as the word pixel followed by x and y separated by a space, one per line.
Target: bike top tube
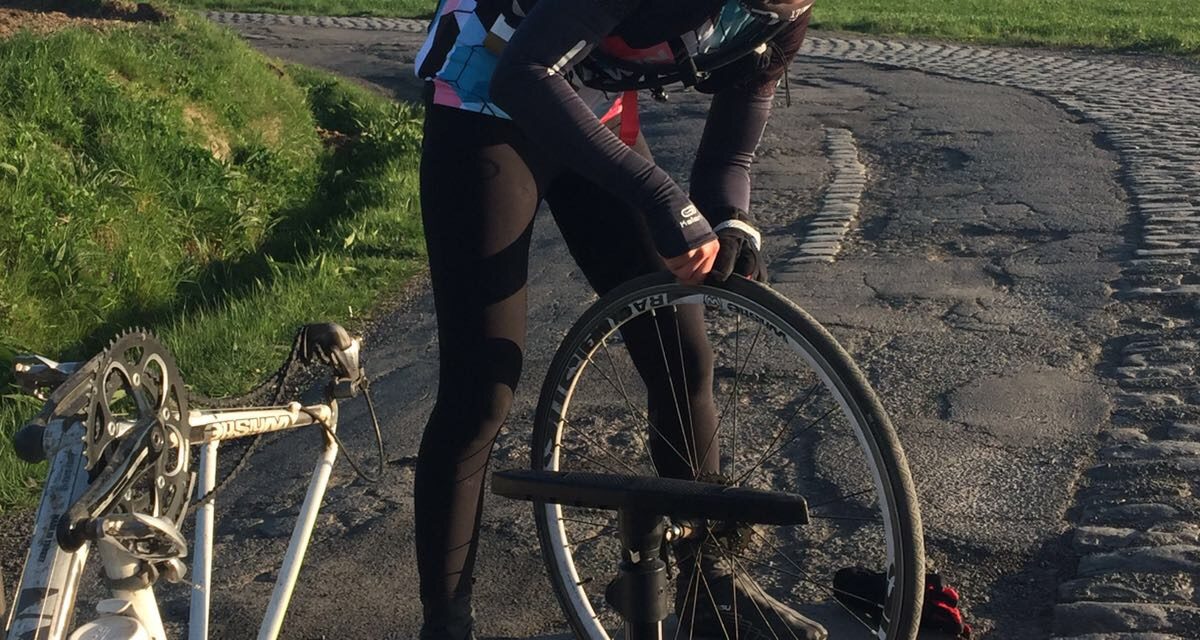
pixel 215 425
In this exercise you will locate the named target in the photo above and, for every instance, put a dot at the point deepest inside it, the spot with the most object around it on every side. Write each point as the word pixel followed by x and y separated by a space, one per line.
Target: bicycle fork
pixel 50 579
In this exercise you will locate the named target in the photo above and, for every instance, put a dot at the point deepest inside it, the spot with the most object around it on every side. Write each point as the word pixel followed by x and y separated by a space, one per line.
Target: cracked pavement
pixel 971 288
pixel 976 286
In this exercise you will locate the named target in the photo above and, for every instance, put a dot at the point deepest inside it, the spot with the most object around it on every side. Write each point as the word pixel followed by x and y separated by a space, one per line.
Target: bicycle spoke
pixel 580 521
pixel 692 463
pixel 690 429
pixel 607 450
pixel 737 336
pixel 843 452
pixel 847 518
pixel 606 533
pixel 738 371
pixel 808 395
pixel 733 582
pixel 711 599
pixel 803 578
pixel 841 498
pixel 829 590
pixel 739 368
pixel 635 411
pixel 693 581
pixel 620 387
pixel 588 459
pixel 769 453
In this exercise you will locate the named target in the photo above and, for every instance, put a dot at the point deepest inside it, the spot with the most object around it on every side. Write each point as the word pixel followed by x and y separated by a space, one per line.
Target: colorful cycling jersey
pixel 467 36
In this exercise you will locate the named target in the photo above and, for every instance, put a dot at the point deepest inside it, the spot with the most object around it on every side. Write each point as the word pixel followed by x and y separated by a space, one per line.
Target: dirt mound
pixel 47 17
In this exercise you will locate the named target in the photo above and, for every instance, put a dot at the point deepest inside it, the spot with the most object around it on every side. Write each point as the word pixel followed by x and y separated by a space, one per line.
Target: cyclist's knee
pixel 476 387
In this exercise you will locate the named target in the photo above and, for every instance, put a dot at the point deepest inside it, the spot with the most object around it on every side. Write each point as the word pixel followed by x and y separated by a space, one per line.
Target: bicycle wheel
pixel 791 412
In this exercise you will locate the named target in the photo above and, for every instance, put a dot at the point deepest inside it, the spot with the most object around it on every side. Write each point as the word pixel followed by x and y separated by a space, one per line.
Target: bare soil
pixel 47 17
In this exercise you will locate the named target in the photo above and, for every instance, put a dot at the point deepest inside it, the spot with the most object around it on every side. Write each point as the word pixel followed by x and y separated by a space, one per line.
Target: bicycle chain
pixel 132 369
pixel 267 393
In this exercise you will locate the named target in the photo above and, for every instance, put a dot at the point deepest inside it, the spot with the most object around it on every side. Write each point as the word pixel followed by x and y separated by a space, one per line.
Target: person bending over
pixel 525 103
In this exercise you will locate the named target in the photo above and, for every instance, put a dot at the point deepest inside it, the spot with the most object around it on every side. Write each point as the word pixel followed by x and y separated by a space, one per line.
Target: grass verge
pixel 1159 26
pixel 168 176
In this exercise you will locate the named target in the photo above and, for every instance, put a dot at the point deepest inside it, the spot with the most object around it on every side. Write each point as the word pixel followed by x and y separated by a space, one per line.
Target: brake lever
pixel 36 373
pixel 332 344
pixel 70 397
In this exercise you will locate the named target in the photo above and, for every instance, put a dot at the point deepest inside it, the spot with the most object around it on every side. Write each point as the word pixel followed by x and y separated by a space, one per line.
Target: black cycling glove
pixel 741 246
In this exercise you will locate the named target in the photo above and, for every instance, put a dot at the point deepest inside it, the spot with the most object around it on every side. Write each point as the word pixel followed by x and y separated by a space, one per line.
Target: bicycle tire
pixel 830 366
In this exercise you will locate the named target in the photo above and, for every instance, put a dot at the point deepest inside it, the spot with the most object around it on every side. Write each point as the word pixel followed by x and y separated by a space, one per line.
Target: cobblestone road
pixel 1137 533
pixel 1136 515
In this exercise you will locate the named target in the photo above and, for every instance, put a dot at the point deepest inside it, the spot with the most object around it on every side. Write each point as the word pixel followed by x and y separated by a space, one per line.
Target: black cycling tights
pixel 481 181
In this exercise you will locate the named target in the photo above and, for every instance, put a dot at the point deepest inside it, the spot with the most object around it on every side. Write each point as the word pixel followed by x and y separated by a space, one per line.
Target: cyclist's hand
pixel 693 266
pixel 741 248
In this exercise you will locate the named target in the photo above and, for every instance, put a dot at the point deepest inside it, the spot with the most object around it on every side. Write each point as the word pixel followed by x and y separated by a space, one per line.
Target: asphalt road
pixel 976 277
pixel 972 288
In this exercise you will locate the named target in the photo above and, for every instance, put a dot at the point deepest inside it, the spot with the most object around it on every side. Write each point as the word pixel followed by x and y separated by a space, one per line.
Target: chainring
pixel 138 379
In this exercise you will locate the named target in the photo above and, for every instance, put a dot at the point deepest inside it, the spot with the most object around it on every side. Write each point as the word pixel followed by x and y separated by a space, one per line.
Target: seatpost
pixel 640 591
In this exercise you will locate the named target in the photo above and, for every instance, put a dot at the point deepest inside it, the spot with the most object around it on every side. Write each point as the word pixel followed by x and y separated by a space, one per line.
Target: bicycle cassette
pixel 137 379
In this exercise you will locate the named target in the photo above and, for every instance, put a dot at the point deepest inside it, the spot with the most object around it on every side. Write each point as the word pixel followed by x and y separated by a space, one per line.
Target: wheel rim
pixel 793 566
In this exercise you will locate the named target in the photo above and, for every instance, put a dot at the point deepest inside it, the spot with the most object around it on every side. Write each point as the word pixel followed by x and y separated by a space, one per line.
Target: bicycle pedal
pixel 144 537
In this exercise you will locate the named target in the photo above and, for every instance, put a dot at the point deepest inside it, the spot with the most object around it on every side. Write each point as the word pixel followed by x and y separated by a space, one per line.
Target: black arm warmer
pixel 721 173
pixel 529 85
pixel 741 105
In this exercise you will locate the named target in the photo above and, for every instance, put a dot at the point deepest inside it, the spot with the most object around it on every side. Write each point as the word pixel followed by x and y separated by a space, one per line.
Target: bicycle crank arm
pixel 130 460
pixel 35 372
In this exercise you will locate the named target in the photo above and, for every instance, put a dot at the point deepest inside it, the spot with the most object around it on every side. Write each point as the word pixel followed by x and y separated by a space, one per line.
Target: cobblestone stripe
pixel 1138 539
pixel 1150 116
pixel 828 229
pixel 360 23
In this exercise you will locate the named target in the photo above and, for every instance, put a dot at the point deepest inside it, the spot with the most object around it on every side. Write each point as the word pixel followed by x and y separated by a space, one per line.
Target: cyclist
pixel 524 105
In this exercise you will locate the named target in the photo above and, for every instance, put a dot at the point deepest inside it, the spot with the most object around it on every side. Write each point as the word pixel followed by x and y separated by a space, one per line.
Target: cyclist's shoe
pixel 453 621
pixel 720 603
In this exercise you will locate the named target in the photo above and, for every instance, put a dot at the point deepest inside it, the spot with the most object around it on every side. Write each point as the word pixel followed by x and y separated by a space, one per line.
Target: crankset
pixel 136 433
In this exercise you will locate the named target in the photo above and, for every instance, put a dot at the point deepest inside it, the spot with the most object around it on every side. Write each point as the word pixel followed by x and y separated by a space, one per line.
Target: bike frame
pixel 50 580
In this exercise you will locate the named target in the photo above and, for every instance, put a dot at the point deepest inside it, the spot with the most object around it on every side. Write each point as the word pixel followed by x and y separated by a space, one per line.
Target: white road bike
pixel 801 475
pixel 119 431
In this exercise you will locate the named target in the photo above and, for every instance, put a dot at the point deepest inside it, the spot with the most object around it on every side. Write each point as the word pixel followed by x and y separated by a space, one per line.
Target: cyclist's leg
pixel 611 243
pixel 478 198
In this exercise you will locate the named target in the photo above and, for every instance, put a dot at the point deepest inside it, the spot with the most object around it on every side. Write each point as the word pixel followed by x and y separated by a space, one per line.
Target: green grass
pixel 1161 26
pixel 170 177
pixel 389 8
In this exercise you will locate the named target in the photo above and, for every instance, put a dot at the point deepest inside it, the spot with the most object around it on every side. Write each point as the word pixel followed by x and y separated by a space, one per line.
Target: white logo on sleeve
pixel 689 216
pixel 567 58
